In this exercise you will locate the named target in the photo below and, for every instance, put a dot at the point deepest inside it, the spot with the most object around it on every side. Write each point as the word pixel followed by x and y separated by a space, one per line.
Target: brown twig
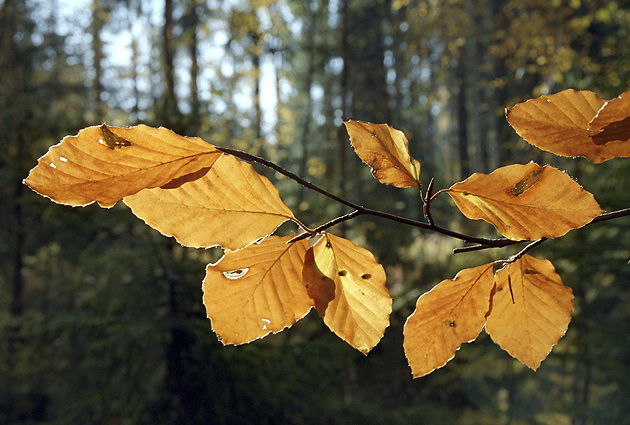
pixel 427 202
pixel 481 243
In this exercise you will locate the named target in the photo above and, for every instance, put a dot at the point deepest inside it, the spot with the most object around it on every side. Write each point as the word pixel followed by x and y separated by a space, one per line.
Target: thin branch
pixel 523 251
pixel 611 215
pixel 602 217
pixel 494 243
pixel 426 201
pixel 482 243
pixel 331 223
pixel 253 158
pixel 479 247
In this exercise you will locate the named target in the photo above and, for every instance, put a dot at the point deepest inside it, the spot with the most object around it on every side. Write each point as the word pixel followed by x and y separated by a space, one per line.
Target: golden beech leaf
pixel 348 288
pixel 531 309
pixel 232 205
pixel 257 290
pixel 526 201
pixel 386 151
pixel 104 164
pixel 452 313
pixel 612 124
pixel 575 123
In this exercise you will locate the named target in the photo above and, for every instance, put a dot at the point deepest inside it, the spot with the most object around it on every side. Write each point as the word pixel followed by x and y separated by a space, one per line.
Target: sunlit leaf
pixel 452 313
pixel 386 151
pixel 529 318
pixel 257 290
pixel 575 123
pixel 104 164
pixel 231 205
pixel 526 201
pixel 612 124
pixel 350 294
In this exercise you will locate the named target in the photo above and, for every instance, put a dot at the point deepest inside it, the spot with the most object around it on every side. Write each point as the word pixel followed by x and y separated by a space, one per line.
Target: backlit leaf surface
pixel 104 164
pixel 257 290
pixel 526 201
pixel 452 313
pixel 575 123
pixel 612 124
pixel 231 205
pixel 528 320
pixel 386 151
pixel 357 305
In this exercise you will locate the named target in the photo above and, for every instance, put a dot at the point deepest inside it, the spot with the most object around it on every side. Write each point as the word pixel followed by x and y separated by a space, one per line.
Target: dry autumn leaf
pixel 350 293
pixel 232 205
pixel 257 290
pixel 104 164
pixel 452 313
pixel 612 124
pixel 531 317
pixel 526 201
pixel 575 123
pixel 386 151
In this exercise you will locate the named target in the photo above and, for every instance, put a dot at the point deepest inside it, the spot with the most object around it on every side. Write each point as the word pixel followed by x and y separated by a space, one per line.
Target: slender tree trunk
pixel 13 81
pixel 169 113
pixel 193 52
pixel 176 347
pixel 501 92
pixel 96 28
pixel 308 113
pixel 277 58
pixel 17 301
pixel 462 118
pixel 135 62
pixel 256 56
pixel 582 380
pixel 344 93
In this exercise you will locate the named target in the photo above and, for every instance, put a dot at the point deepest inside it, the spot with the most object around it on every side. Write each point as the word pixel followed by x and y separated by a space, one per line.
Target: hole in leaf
pixel 366 276
pixel 343 272
pixel 265 323
pixel 236 274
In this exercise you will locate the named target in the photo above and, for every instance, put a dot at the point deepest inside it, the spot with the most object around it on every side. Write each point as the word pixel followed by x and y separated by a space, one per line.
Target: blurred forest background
pixel 101 320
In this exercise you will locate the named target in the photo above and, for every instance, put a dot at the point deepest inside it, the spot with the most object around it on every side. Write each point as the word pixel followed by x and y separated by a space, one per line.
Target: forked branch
pixel 480 243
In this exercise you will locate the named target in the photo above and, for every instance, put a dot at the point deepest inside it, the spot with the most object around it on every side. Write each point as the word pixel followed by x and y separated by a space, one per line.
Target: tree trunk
pixel 308 113
pixel 256 53
pixel 193 51
pixel 96 28
pixel 169 113
pixel 342 141
pixel 501 92
pixel 462 118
